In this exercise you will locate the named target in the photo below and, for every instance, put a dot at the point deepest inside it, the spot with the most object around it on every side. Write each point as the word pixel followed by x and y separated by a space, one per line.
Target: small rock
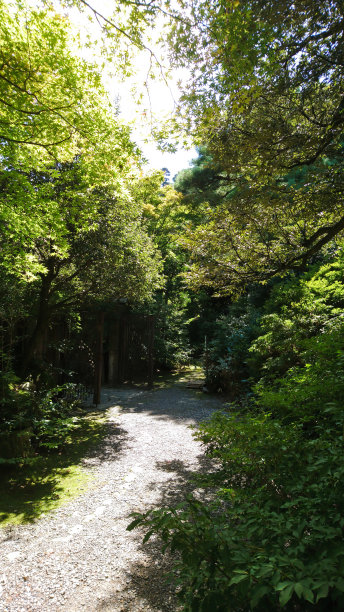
pixel 12 556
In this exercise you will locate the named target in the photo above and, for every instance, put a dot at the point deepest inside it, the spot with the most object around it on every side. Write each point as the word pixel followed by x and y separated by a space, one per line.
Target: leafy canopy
pixel 265 96
pixel 52 103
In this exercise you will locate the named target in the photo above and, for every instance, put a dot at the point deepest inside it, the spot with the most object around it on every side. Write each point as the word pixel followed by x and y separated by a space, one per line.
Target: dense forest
pixel 239 261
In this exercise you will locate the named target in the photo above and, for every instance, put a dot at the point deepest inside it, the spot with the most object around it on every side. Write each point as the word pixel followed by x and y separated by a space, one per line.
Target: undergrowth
pixel 35 485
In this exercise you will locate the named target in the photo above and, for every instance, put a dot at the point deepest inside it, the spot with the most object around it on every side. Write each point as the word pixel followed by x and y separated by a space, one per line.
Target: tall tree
pixel 93 248
pixel 265 94
pixel 52 103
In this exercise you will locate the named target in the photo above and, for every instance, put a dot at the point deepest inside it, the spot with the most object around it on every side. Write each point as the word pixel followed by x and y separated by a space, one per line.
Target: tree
pixel 52 103
pixel 251 233
pixel 93 249
pixel 71 232
pixel 53 109
pixel 240 53
pixel 265 95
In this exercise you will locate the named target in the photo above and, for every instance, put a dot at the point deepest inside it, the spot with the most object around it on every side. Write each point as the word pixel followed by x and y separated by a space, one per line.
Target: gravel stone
pixel 80 556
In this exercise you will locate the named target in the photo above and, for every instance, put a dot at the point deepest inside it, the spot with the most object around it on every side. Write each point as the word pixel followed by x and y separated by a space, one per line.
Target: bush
pixel 53 418
pixel 35 419
pixel 297 310
pixel 272 538
pixel 15 403
pixel 228 348
pixel 305 392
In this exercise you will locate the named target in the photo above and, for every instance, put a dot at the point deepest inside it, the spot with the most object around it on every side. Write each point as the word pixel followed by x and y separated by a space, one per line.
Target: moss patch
pixel 42 484
pixel 164 380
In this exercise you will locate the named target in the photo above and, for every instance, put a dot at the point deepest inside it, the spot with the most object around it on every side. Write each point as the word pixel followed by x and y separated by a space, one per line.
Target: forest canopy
pixel 266 98
pixel 237 265
pixel 53 105
pixel 72 233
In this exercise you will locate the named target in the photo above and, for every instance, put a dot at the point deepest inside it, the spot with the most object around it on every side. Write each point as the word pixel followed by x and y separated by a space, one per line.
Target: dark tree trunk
pixel 38 343
pixel 150 358
pixel 98 359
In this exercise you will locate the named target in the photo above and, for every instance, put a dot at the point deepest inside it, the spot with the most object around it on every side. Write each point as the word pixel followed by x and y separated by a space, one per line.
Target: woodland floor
pixel 80 556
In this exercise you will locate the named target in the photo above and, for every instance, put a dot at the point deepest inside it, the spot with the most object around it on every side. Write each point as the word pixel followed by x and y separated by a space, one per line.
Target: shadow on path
pixel 173 404
pixel 111 448
pixel 149 580
pixel 28 491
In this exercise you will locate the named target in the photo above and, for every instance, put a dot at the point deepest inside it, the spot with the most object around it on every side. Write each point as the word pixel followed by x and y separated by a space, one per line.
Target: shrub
pixel 53 418
pixel 297 310
pixel 306 391
pixel 228 348
pixel 272 538
pixel 35 419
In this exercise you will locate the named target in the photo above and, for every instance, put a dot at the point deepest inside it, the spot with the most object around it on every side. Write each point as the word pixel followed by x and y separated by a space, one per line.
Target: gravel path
pixel 80 557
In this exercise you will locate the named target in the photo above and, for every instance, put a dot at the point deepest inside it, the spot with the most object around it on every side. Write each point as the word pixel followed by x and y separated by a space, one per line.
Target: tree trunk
pixel 98 359
pixel 38 343
pixel 150 358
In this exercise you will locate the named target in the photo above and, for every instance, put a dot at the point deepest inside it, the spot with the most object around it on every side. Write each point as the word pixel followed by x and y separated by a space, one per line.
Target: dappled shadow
pixel 8 535
pixel 173 404
pixel 184 480
pixel 28 498
pixel 162 379
pixel 179 377
pixel 146 586
pixel 27 491
pixel 148 581
pixel 111 446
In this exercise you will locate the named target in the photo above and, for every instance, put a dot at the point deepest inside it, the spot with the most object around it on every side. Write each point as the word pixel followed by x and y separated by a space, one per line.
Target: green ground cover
pixel 44 482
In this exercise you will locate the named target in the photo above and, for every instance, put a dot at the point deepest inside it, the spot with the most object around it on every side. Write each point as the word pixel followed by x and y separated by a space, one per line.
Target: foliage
pixel 244 57
pixel 255 232
pixel 264 97
pixel 165 217
pixel 52 104
pixel 299 309
pixel 45 416
pixel 231 337
pixel 91 246
pixel 172 345
pixel 37 484
pixel 73 236
pixel 203 184
pixel 308 391
pixel 54 415
pixel 270 537
pixel 270 541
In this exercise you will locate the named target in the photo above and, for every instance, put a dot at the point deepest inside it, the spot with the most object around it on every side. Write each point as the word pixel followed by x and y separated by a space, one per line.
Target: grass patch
pixel 185 374
pixel 40 485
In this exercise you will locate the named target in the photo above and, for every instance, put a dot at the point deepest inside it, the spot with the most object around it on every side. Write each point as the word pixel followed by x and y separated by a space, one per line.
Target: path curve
pixel 80 556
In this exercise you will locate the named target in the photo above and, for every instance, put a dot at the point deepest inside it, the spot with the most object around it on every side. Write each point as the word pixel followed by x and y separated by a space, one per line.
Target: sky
pixel 161 104
pixel 159 101
pixel 174 162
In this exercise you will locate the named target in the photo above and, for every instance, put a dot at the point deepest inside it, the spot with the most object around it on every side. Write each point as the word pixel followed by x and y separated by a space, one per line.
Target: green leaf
pixel 322 592
pixel 282 585
pixel 340 585
pixel 238 578
pixel 286 594
pixel 148 535
pixel 308 594
pixel 258 593
pixel 134 524
pixel 298 589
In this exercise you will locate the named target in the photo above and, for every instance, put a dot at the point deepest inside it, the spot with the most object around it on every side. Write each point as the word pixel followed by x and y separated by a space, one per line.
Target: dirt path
pixel 80 557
